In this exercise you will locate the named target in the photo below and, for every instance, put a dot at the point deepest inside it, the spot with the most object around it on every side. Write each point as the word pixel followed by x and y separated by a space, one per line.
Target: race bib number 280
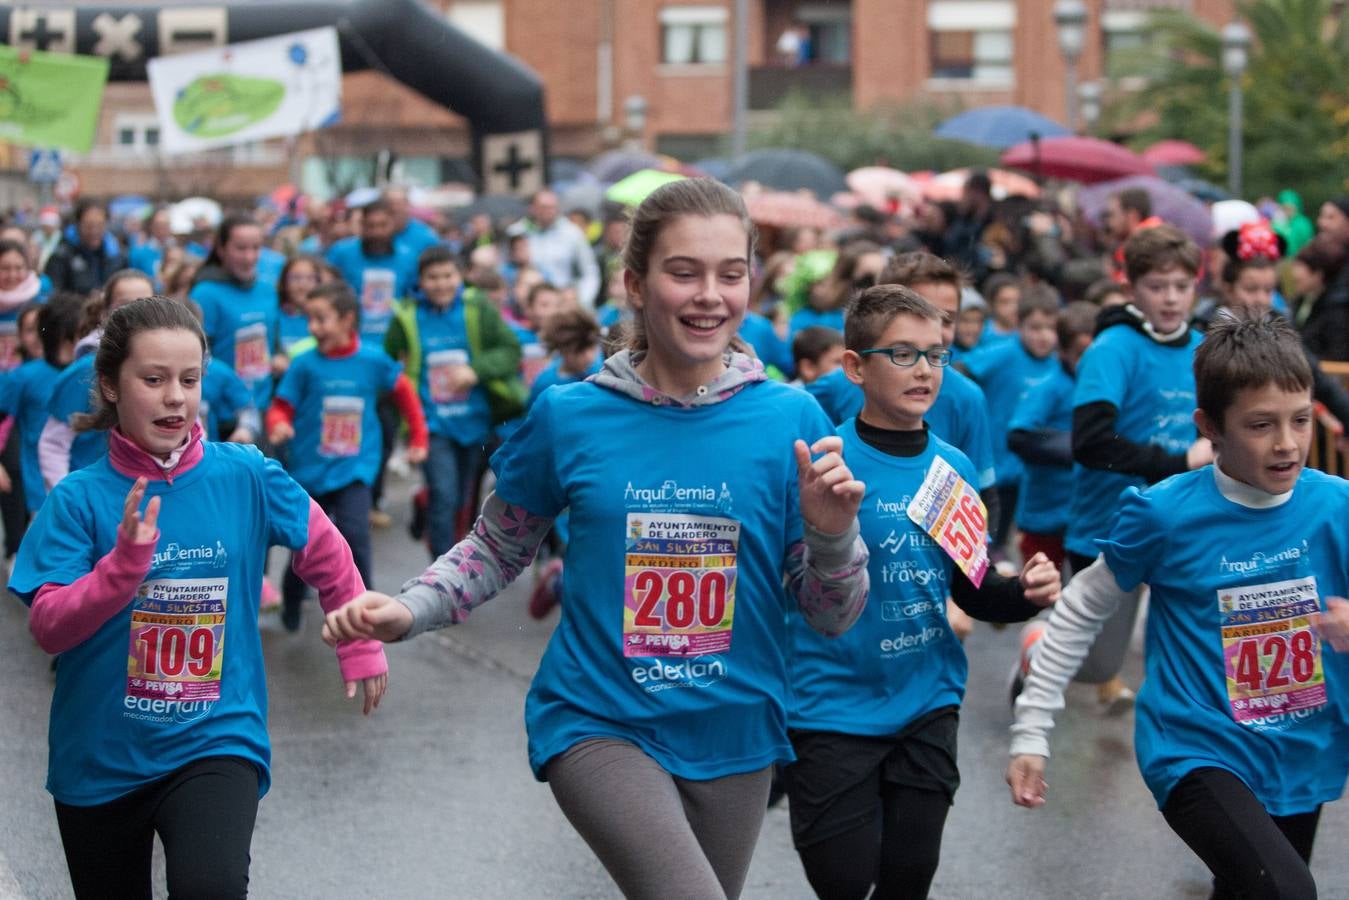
pixel 947 508
pixel 679 584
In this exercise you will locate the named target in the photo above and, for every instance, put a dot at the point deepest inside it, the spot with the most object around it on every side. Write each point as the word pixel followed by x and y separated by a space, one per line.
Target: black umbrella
pixel 503 208
pixel 615 165
pixel 789 170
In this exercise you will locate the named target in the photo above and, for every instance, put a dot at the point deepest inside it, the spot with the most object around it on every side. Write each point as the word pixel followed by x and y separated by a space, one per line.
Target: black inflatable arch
pixel 501 98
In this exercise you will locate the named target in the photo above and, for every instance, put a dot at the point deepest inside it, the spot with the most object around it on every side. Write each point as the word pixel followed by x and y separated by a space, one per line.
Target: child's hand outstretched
pixel 830 496
pixel 369 615
pixel 281 432
pixel 1040 579
pixel 416 455
pixel 1026 778
pixel 1333 624
pixel 373 687
pixel 141 530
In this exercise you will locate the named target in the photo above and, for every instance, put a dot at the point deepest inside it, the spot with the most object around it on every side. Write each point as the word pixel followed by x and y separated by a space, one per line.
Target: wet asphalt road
pixel 432 796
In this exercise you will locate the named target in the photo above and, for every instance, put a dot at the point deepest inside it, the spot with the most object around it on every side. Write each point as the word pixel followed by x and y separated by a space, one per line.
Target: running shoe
pixel 380 519
pixel 271 598
pixel 1115 697
pixel 547 590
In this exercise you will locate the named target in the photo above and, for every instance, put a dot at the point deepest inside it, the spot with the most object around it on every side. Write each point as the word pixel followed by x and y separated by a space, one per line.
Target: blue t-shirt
pixel 1235 678
pixel 10 358
pixel 270 264
pixel 337 431
pixel 1007 372
pixel 900 660
pixel 146 256
pixel 958 416
pixel 241 328
pixel 24 394
pixel 291 329
pixel 759 333
pixel 70 396
pixel 991 337
pixel 223 396
pixel 377 281
pixel 809 315
pixel 553 375
pixel 1046 491
pixel 120 720
pixel 465 418
pixel 717 525
pixel 1152 387
pixel 415 237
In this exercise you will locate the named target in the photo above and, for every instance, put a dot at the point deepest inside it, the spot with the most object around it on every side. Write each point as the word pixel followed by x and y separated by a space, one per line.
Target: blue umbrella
pixel 999 126
pixel 788 170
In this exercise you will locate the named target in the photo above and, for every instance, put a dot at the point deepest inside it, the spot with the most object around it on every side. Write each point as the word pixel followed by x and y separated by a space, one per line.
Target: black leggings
pixel 1252 854
pixel 13 507
pixel 900 863
pixel 204 815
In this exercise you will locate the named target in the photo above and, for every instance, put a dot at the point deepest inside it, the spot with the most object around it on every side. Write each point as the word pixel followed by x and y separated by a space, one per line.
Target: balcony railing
pixel 769 85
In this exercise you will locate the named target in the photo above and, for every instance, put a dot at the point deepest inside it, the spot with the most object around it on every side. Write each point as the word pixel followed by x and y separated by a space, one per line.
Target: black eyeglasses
pixel 906 355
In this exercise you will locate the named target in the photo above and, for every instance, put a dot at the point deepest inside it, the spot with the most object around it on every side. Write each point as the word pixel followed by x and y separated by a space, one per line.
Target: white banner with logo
pixel 272 87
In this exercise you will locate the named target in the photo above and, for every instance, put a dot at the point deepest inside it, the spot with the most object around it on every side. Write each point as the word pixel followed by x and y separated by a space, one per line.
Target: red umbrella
pixel 1084 159
pixel 791 210
pixel 1174 153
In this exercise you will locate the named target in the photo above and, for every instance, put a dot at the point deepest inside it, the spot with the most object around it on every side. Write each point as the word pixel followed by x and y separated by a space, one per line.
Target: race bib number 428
pixel 1271 654
pixel 679 584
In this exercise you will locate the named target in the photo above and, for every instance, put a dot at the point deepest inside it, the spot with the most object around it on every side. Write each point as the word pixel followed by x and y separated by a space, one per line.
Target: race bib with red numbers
pixel 340 433
pixel 1271 654
pixel 252 360
pixel 177 639
pixel 947 508
pixel 679 584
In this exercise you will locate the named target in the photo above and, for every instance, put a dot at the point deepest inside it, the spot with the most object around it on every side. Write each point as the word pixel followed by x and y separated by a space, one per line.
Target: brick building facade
pixel 672 57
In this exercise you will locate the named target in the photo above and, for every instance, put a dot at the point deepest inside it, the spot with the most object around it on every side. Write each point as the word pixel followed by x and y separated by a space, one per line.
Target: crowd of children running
pixel 920 422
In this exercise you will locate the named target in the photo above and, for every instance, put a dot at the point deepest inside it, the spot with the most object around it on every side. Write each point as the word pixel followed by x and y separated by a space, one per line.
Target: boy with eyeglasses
pixel 873 713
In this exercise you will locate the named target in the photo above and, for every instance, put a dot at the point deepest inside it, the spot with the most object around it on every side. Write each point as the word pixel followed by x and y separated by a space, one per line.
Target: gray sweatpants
pixel 658 835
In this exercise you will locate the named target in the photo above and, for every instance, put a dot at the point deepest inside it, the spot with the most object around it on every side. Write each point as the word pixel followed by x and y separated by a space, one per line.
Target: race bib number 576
pixel 947 508
pixel 679 584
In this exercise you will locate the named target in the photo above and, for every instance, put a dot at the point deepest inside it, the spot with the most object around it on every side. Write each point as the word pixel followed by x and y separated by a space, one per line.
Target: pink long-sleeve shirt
pixel 64 615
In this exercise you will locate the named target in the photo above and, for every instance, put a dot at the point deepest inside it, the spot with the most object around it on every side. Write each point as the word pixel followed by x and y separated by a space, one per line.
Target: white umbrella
pixel 184 214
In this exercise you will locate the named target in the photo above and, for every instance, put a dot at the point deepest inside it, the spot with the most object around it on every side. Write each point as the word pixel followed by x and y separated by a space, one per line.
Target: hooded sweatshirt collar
pixel 620 375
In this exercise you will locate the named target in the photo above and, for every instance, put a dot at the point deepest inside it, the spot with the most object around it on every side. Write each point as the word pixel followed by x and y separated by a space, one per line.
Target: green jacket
pixel 493 351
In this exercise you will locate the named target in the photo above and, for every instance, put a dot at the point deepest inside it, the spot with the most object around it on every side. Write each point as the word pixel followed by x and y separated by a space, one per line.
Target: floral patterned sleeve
pixel 827 574
pixel 501 546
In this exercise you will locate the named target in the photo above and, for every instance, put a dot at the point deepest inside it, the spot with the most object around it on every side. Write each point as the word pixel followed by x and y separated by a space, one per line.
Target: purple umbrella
pixel 1170 203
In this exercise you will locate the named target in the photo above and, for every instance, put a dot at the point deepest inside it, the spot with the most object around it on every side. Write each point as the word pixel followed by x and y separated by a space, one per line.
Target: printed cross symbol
pixel 514 166
pixel 41 36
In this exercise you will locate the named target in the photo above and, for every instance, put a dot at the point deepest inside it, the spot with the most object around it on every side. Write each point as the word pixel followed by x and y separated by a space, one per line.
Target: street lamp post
pixel 1236 55
pixel 1070 17
pixel 634 122
pixel 1089 102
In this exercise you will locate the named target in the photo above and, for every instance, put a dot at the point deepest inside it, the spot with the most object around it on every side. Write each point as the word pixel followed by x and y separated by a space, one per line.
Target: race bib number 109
pixel 177 639
pixel 679 584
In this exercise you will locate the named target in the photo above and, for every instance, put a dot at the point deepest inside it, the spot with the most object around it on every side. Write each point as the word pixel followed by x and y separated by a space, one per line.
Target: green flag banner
pixel 50 99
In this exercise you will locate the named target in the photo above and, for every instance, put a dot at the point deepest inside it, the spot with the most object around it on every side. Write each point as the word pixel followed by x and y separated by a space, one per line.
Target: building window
pixel 971 40
pixel 830 27
pixel 135 133
pixel 693 35
pixel 1125 35
pixel 482 20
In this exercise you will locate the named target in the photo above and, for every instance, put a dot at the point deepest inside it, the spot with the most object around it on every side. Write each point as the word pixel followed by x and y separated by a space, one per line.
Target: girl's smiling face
pixel 694 294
